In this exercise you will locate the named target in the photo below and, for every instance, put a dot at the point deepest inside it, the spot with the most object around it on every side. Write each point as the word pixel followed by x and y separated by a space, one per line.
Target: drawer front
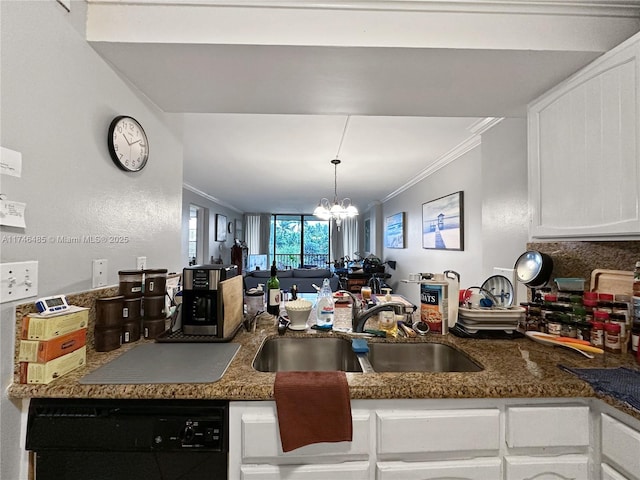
pixel 261 439
pixel 621 445
pixel 476 469
pixel 547 426
pixel 342 471
pixel 609 473
pixel 437 430
pixel 564 467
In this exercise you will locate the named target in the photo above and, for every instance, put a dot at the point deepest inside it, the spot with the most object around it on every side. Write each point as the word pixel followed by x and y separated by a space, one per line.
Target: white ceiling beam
pixel 587 26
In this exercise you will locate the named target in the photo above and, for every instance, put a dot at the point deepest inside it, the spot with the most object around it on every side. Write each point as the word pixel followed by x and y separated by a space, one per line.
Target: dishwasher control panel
pixel 175 433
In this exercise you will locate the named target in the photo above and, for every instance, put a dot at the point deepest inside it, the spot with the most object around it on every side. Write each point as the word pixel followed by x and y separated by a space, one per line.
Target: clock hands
pixel 128 142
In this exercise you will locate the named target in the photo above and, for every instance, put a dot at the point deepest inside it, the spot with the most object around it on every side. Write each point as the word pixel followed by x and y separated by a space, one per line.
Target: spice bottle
pixel 597 334
pixel 612 341
pixel 636 280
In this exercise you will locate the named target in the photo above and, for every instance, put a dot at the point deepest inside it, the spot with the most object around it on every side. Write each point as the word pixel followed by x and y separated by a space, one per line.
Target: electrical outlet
pixel 141 263
pixel 18 280
pixel 100 271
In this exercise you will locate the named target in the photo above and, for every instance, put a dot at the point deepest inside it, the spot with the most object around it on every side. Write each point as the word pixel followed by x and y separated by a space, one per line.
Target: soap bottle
pixel 325 307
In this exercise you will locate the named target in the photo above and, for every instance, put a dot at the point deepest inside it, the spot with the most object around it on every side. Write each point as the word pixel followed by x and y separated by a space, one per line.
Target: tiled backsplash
pixel 579 259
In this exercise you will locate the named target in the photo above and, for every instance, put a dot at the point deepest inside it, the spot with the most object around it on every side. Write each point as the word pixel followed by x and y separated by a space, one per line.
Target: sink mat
pixel 621 383
pixel 166 363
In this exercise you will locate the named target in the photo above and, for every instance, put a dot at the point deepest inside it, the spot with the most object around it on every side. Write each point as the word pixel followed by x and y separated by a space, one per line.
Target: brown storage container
pixel 132 309
pixel 109 312
pixel 153 328
pixel 153 307
pixel 130 283
pixel 131 331
pixel 155 282
pixel 107 339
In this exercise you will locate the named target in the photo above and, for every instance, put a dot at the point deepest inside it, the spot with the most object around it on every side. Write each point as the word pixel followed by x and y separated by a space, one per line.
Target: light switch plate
pixel 100 271
pixel 18 280
pixel 141 263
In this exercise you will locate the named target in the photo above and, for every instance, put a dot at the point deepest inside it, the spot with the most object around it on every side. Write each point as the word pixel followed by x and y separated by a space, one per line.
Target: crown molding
pixel 222 203
pixel 620 8
pixel 456 152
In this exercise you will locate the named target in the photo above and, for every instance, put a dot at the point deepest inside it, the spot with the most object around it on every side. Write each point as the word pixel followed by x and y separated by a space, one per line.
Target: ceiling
pixel 263 121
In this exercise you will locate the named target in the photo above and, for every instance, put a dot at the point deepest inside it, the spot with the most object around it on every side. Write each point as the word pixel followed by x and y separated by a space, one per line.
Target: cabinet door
pixel 342 471
pixel 584 177
pixel 260 439
pixel 402 432
pixel 564 467
pixel 547 426
pixel 476 469
pixel 621 445
pixel 609 473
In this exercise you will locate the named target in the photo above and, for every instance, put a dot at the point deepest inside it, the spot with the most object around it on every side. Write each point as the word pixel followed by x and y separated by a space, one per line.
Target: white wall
pixel 505 211
pixel 462 174
pixel 58 98
pixel 494 180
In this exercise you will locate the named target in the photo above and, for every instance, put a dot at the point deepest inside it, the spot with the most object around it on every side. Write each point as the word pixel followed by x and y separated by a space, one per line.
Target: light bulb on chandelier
pixel 339 210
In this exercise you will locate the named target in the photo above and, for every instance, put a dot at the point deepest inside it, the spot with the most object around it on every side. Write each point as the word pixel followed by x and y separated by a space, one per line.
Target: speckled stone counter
pixel 512 368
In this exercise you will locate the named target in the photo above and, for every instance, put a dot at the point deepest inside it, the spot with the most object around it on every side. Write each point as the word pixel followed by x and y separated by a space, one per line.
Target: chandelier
pixel 340 209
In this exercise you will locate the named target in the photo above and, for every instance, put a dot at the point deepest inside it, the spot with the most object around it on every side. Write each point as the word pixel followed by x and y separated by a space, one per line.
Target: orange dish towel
pixel 312 407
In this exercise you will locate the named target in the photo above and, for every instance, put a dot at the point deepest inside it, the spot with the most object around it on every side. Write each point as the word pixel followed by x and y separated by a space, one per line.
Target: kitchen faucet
pixel 360 315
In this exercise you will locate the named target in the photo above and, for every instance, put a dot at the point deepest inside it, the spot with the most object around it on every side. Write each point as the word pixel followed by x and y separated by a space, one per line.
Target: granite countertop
pixel 512 368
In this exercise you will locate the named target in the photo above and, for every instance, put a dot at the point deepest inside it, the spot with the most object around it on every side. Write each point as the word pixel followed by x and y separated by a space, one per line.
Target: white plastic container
pixel 325 307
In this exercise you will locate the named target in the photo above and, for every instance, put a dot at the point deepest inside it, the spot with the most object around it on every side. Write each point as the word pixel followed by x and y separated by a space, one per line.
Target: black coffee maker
pixel 202 306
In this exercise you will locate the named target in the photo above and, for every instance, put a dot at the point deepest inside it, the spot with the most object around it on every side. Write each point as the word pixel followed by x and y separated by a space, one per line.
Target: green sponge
pixel 359 345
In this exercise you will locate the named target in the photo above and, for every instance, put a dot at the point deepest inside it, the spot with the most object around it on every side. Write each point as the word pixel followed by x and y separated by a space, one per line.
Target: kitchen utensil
pixel 501 288
pixel 409 332
pixel 534 268
pixel 547 339
pixel 298 313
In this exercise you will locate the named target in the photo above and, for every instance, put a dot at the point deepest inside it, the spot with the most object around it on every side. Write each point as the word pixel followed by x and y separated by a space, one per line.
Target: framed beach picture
pixel 443 223
pixel 394 231
pixel 221 228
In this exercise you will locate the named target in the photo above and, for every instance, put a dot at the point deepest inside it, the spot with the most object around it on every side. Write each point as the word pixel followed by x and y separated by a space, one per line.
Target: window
pixel 196 244
pixel 299 241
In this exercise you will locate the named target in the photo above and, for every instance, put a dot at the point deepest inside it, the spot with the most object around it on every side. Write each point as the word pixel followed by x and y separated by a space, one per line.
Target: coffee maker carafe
pixel 203 309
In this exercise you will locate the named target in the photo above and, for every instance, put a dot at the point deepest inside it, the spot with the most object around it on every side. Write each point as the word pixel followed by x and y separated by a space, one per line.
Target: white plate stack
pixel 473 320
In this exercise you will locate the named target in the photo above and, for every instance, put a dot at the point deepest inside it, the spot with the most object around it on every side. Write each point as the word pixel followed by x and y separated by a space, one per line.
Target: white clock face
pixel 128 144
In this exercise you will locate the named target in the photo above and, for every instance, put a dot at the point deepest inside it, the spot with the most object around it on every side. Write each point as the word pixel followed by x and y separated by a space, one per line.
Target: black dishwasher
pixel 77 439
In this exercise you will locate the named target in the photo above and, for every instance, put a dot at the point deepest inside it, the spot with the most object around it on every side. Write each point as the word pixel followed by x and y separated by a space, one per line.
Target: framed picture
pixel 394 231
pixel 221 228
pixel 443 223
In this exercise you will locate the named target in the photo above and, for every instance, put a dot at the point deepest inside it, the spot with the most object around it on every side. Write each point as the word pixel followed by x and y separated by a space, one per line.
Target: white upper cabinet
pixel 584 151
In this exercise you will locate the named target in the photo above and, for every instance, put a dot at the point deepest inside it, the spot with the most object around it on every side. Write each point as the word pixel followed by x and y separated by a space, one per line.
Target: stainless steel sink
pixel 419 357
pixel 306 354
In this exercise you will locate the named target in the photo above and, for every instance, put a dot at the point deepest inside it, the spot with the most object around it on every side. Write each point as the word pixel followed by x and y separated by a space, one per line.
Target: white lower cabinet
pixel 563 467
pixel 475 469
pixel 342 471
pixel 609 473
pixel 621 446
pixel 465 439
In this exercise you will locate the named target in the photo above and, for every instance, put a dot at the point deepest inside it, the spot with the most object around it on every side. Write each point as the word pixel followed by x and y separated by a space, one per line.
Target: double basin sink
pixel 334 353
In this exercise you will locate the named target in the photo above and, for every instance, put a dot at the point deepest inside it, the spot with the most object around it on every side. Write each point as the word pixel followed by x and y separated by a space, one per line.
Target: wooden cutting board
pixel 618 282
pixel 232 304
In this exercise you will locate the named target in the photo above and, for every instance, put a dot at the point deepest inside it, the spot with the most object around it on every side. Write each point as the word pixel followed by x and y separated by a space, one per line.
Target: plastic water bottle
pixel 325 307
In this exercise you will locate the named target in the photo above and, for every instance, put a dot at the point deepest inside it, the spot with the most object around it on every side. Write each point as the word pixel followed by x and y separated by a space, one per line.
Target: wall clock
pixel 128 145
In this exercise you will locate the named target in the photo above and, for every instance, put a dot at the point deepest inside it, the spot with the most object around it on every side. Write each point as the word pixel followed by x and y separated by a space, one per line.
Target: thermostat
pixel 53 304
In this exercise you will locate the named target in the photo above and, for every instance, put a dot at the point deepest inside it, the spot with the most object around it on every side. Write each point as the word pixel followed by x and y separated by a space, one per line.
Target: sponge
pixel 359 345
